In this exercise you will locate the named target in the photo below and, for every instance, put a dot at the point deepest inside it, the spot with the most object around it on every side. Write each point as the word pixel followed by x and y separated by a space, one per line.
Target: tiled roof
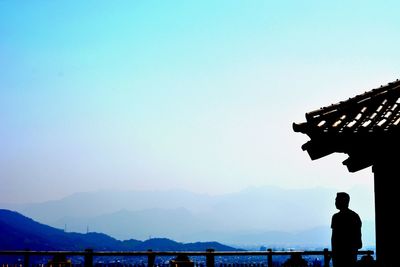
pixel 359 126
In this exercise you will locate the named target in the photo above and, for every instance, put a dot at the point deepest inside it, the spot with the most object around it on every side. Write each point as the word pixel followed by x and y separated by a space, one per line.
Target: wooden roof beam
pixel 355 164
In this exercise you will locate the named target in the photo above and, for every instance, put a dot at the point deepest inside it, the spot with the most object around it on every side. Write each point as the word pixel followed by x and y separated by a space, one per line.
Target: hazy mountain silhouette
pixel 18 232
pixel 317 237
pixel 249 213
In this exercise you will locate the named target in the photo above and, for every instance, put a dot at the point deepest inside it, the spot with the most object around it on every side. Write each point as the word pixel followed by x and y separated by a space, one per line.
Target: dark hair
pixel 344 196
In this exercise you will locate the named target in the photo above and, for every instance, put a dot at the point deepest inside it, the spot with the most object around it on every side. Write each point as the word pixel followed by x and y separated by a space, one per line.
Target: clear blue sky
pixel 197 95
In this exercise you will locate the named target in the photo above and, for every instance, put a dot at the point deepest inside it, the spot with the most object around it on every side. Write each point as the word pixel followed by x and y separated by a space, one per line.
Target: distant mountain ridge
pixel 259 215
pixel 18 232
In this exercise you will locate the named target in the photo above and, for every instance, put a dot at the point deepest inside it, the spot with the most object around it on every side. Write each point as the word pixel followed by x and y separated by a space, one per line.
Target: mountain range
pixel 18 232
pixel 269 216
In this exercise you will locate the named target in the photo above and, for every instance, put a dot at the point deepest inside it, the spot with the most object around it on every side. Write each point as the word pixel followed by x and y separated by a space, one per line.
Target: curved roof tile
pixel 359 126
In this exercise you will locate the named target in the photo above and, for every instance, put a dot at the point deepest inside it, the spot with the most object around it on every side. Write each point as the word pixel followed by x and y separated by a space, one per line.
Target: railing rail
pixel 210 254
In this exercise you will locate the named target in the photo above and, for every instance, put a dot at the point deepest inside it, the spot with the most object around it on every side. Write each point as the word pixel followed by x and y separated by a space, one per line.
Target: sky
pixel 193 95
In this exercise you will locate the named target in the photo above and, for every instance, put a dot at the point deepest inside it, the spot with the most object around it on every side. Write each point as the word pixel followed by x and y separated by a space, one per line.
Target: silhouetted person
pixel 346 233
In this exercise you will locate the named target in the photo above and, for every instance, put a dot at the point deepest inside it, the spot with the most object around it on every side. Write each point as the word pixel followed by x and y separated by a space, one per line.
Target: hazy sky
pixel 196 95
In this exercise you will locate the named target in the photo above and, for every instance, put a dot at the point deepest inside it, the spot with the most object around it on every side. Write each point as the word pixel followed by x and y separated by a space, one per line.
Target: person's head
pixel 342 200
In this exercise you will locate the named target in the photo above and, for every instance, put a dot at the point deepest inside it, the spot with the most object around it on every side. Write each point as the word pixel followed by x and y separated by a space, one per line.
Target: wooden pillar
pixel 327 257
pixel 269 257
pixel 26 259
pixel 151 258
pixel 210 260
pixel 88 257
pixel 387 203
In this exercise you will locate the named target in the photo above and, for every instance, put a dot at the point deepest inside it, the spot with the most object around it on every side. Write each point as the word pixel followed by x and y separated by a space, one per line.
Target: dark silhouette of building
pixel 181 260
pixel 367 128
pixel 59 260
pixel 295 260
pixel 366 261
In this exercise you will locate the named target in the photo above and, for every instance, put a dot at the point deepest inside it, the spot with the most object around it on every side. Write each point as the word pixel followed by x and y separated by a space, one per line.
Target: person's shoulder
pixel 335 217
pixel 355 216
pixel 353 212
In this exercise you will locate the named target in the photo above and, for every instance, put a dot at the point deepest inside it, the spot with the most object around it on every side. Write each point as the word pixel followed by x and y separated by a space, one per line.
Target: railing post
pixel 89 257
pixel 151 258
pixel 269 259
pixel 26 258
pixel 210 259
pixel 327 258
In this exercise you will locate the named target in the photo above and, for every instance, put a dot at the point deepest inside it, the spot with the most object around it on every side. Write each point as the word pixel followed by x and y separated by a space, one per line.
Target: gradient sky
pixel 196 95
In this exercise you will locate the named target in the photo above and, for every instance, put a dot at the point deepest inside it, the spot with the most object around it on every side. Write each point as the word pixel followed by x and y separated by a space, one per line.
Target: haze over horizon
pixel 251 217
pixel 197 96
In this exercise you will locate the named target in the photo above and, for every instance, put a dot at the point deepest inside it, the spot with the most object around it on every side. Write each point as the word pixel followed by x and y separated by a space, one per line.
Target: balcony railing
pixel 209 255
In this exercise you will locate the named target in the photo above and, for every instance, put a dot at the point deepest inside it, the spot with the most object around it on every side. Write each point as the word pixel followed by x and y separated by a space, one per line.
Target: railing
pixel 210 254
